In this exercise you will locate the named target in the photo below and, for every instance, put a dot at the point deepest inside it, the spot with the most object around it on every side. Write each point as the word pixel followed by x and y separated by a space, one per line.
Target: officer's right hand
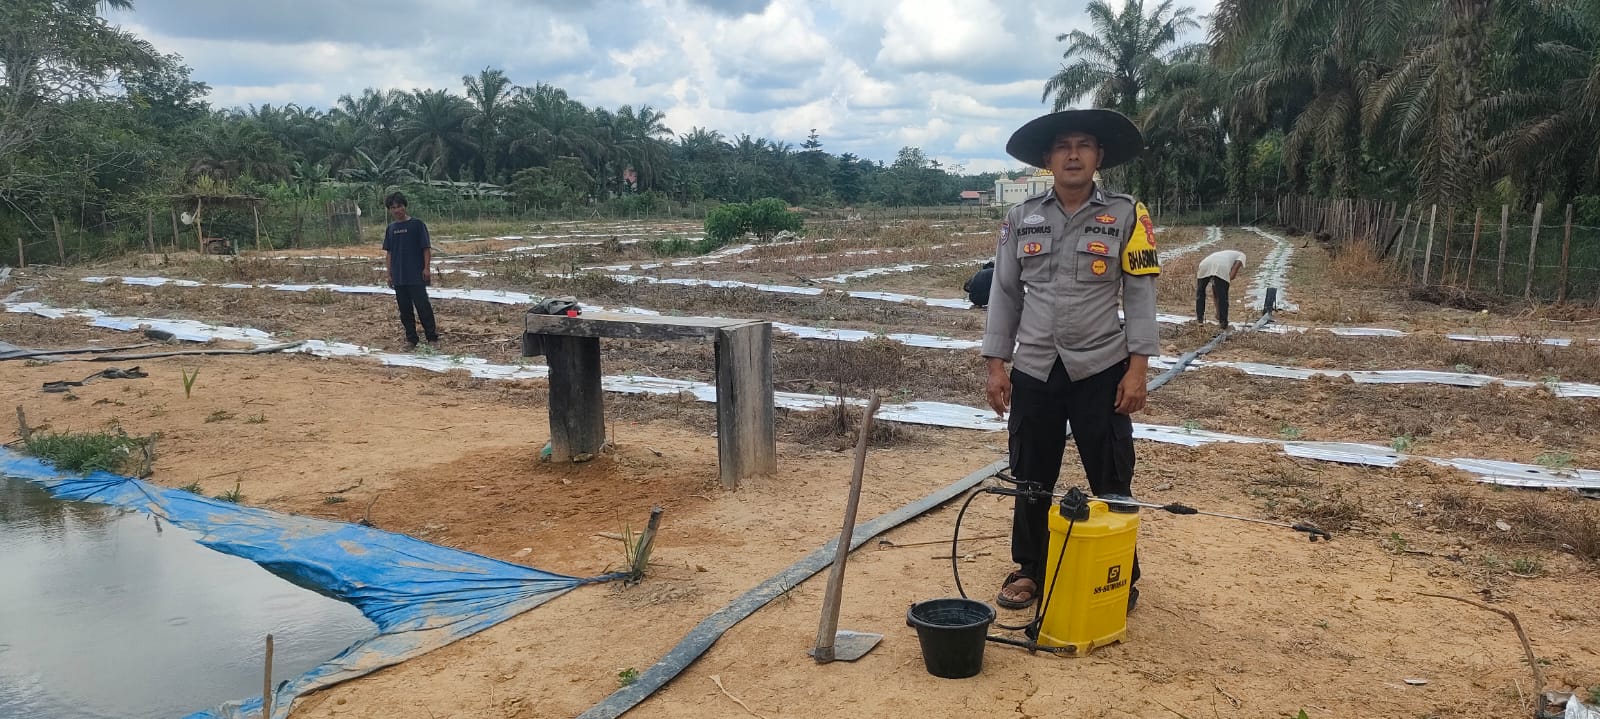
pixel 999 389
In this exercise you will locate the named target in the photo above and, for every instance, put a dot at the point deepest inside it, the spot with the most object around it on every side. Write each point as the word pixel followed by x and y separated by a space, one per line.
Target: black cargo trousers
pixel 1040 412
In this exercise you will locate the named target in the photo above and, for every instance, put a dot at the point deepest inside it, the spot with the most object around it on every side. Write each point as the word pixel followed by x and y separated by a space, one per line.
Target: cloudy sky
pixel 953 77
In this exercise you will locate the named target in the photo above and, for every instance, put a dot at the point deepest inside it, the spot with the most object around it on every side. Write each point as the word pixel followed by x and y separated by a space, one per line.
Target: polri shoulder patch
pixel 1139 252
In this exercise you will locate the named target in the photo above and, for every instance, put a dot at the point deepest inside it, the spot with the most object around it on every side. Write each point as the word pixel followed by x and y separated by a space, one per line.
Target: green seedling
pixel 234 495
pixel 220 415
pixel 188 381
pixel 257 419
pixel 192 488
pixel 1558 461
pixel 1527 566
pixel 1289 433
pixel 627 677
pixel 1402 443
pixel 1190 425
pixel 334 499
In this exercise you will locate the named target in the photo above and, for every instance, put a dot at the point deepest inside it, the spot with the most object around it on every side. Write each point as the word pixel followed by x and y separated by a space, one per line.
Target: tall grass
pixel 86 451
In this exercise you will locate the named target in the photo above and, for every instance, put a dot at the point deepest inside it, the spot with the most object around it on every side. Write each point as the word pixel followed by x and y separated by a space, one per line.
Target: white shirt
pixel 1219 264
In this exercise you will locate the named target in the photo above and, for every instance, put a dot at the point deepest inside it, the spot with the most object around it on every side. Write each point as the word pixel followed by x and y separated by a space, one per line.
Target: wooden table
pixel 746 440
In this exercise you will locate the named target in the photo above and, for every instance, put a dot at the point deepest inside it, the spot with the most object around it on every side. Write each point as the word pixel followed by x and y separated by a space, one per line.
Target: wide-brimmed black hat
pixel 1120 139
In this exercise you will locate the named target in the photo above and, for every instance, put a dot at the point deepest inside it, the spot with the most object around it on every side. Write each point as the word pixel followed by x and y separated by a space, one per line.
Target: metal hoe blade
pixel 847 646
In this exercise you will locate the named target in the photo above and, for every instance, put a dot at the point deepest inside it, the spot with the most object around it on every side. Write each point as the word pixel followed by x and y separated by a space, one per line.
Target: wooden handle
pixel 829 625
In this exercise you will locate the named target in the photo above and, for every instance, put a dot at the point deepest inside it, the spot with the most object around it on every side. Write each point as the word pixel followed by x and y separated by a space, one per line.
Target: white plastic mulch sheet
pixel 938 414
pixel 1273 271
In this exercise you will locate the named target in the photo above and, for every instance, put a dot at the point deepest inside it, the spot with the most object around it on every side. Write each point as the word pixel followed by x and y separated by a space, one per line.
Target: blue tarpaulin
pixel 421 596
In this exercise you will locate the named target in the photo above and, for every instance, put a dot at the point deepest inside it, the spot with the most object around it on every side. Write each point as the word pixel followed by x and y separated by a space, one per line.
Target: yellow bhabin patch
pixel 1139 252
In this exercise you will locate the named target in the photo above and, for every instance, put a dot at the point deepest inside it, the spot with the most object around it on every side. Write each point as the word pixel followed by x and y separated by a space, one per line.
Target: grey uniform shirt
pixel 1059 279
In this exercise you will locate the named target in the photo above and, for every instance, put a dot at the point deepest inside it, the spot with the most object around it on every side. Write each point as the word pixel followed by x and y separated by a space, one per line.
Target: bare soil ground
pixel 1234 620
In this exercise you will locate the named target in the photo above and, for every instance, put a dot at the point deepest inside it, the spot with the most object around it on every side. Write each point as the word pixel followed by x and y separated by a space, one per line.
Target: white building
pixel 1012 191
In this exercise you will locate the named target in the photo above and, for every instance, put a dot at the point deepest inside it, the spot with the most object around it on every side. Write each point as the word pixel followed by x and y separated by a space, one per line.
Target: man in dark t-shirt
pixel 410 257
pixel 977 288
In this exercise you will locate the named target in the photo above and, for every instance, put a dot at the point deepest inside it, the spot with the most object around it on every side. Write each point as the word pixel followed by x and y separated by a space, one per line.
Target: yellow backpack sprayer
pixel 1083 601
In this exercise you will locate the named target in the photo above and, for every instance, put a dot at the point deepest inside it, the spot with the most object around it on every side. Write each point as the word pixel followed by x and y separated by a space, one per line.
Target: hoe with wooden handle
pixel 833 643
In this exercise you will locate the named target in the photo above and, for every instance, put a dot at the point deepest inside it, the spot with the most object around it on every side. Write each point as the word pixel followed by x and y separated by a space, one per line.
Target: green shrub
pixel 765 217
pixel 726 223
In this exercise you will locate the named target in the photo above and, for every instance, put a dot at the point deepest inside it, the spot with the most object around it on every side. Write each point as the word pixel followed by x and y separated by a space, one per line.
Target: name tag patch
pixel 1040 230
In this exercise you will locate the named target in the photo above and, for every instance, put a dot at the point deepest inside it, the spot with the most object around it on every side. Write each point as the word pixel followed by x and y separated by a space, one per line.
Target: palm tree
pixel 546 124
pixel 1550 122
pixel 434 130
pixel 228 147
pixel 1186 123
pixel 490 92
pixel 338 140
pixel 378 111
pixel 1431 99
pixel 1304 66
pixel 1118 60
pixel 639 141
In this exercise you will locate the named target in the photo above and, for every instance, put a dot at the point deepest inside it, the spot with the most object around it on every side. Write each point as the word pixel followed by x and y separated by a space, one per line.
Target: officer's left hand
pixel 1131 393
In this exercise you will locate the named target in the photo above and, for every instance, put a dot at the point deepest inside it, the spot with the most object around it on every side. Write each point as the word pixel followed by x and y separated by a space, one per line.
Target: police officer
pixel 1067 259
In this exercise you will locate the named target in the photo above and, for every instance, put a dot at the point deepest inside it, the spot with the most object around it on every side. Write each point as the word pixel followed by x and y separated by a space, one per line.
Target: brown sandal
pixel 1031 593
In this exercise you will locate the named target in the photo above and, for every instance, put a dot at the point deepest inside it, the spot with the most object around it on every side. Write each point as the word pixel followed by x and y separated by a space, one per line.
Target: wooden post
pixel 266 685
pixel 1500 265
pixel 1397 239
pixel 199 231
pixel 22 261
pixel 1472 258
pixel 1533 247
pixel 174 213
pixel 1427 255
pixel 1449 229
pixel 577 414
pixel 149 231
pixel 1411 253
pixel 746 438
pixel 1566 255
pixel 257 214
pixel 61 247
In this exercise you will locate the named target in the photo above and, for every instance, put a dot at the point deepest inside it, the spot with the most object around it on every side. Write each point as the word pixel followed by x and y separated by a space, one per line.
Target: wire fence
pixel 1539 256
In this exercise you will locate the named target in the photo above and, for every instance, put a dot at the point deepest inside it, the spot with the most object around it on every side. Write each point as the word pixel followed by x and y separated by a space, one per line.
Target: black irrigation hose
pixel 1184 361
pixel 711 628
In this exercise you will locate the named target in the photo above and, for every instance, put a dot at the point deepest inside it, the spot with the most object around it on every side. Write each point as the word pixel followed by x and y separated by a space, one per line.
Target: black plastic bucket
pixel 952 633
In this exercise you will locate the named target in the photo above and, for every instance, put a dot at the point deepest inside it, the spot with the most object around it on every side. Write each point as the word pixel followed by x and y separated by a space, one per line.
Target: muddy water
pixel 106 614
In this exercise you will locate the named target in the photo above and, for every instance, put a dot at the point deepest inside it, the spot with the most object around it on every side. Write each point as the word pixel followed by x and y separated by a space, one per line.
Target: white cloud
pixel 953 77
